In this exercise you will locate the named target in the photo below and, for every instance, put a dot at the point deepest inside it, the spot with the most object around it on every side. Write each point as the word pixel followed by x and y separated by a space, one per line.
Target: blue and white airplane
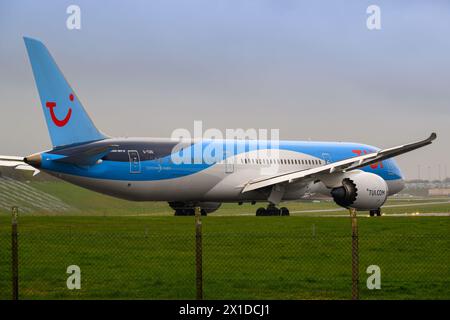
pixel 355 175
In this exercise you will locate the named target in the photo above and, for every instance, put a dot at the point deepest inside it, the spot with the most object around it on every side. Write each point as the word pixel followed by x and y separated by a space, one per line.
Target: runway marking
pixel 27 198
pixel 413 214
pixel 20 196
pixel 40 195
pixel 387 206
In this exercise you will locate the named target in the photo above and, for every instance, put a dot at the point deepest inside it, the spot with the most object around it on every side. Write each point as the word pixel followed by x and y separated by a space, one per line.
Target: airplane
pixel 356 176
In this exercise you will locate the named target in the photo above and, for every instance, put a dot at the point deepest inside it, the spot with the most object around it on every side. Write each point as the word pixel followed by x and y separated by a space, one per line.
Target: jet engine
pixel 361 191
pixel 187 208
pixel 210 207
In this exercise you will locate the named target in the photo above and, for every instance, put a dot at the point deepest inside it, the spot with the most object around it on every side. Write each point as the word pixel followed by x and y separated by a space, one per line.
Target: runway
pixel 387 206
pixel 364 215
pixel 323 212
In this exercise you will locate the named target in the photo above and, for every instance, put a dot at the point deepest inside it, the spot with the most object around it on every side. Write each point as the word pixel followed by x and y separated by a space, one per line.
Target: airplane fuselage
pixel 148 169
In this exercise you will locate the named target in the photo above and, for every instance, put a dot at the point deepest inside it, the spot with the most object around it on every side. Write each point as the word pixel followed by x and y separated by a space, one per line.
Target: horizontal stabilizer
pixel 17 163
pixel 88 157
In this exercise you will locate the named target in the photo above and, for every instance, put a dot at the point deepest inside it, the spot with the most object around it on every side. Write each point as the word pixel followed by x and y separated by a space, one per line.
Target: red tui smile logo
pixel 56 121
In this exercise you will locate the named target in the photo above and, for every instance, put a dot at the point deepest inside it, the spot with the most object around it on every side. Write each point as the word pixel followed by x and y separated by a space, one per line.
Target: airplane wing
pixel 87 157
pixel 339 166
pixel 17 163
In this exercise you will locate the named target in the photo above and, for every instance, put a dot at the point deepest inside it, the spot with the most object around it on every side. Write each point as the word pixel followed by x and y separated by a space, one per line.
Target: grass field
pixel 139 250
pixel 244 257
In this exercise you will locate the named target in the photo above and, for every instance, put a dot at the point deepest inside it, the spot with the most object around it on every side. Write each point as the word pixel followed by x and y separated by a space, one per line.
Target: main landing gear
pixel 375 212
pixel 272 211
pixel 188 212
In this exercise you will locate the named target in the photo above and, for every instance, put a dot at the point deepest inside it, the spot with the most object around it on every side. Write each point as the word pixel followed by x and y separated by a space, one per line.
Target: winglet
pixel 433 136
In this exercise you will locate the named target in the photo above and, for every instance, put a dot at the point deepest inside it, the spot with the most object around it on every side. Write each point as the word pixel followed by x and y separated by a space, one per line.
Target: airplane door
pixel 135 162
pixel 229 164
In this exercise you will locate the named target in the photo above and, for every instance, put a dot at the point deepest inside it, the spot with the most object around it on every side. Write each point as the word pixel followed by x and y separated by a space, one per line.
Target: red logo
pixel 373 165
pixel 56 121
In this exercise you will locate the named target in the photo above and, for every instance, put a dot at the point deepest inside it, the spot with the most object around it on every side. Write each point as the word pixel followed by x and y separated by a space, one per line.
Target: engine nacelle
pixel 206 207
pixel 210 206
pixel 361 191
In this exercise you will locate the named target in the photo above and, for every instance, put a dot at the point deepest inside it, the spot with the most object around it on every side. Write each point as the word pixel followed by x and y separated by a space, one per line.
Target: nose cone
pixel 34 160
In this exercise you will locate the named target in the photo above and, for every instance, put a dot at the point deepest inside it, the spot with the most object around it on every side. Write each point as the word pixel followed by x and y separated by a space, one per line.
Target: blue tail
pixel 67 121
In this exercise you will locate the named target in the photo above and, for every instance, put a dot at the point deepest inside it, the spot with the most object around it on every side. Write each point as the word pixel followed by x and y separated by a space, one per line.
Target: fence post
pixel 355 255
pixel 15 254
pixel 198 254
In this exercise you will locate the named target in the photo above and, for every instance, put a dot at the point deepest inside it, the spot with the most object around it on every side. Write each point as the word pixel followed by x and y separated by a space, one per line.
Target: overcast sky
pixel 310 68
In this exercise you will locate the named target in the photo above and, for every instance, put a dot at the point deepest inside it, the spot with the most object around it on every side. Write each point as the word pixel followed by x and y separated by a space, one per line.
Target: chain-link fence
pixel 155 258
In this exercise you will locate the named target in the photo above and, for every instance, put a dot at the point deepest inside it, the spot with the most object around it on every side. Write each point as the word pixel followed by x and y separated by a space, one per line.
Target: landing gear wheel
pixel 272 211
pixel 261 212
pixel 203 212
pixel 184 212
pixel 375 212
pixel 179 212
pixel 284 211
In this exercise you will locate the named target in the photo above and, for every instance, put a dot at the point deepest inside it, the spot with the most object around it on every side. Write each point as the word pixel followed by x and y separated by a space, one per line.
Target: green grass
pixel 244 257
pixel 139 250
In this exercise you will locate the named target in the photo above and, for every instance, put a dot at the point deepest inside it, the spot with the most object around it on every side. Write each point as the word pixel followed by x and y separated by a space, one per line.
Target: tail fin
pixel 67 121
